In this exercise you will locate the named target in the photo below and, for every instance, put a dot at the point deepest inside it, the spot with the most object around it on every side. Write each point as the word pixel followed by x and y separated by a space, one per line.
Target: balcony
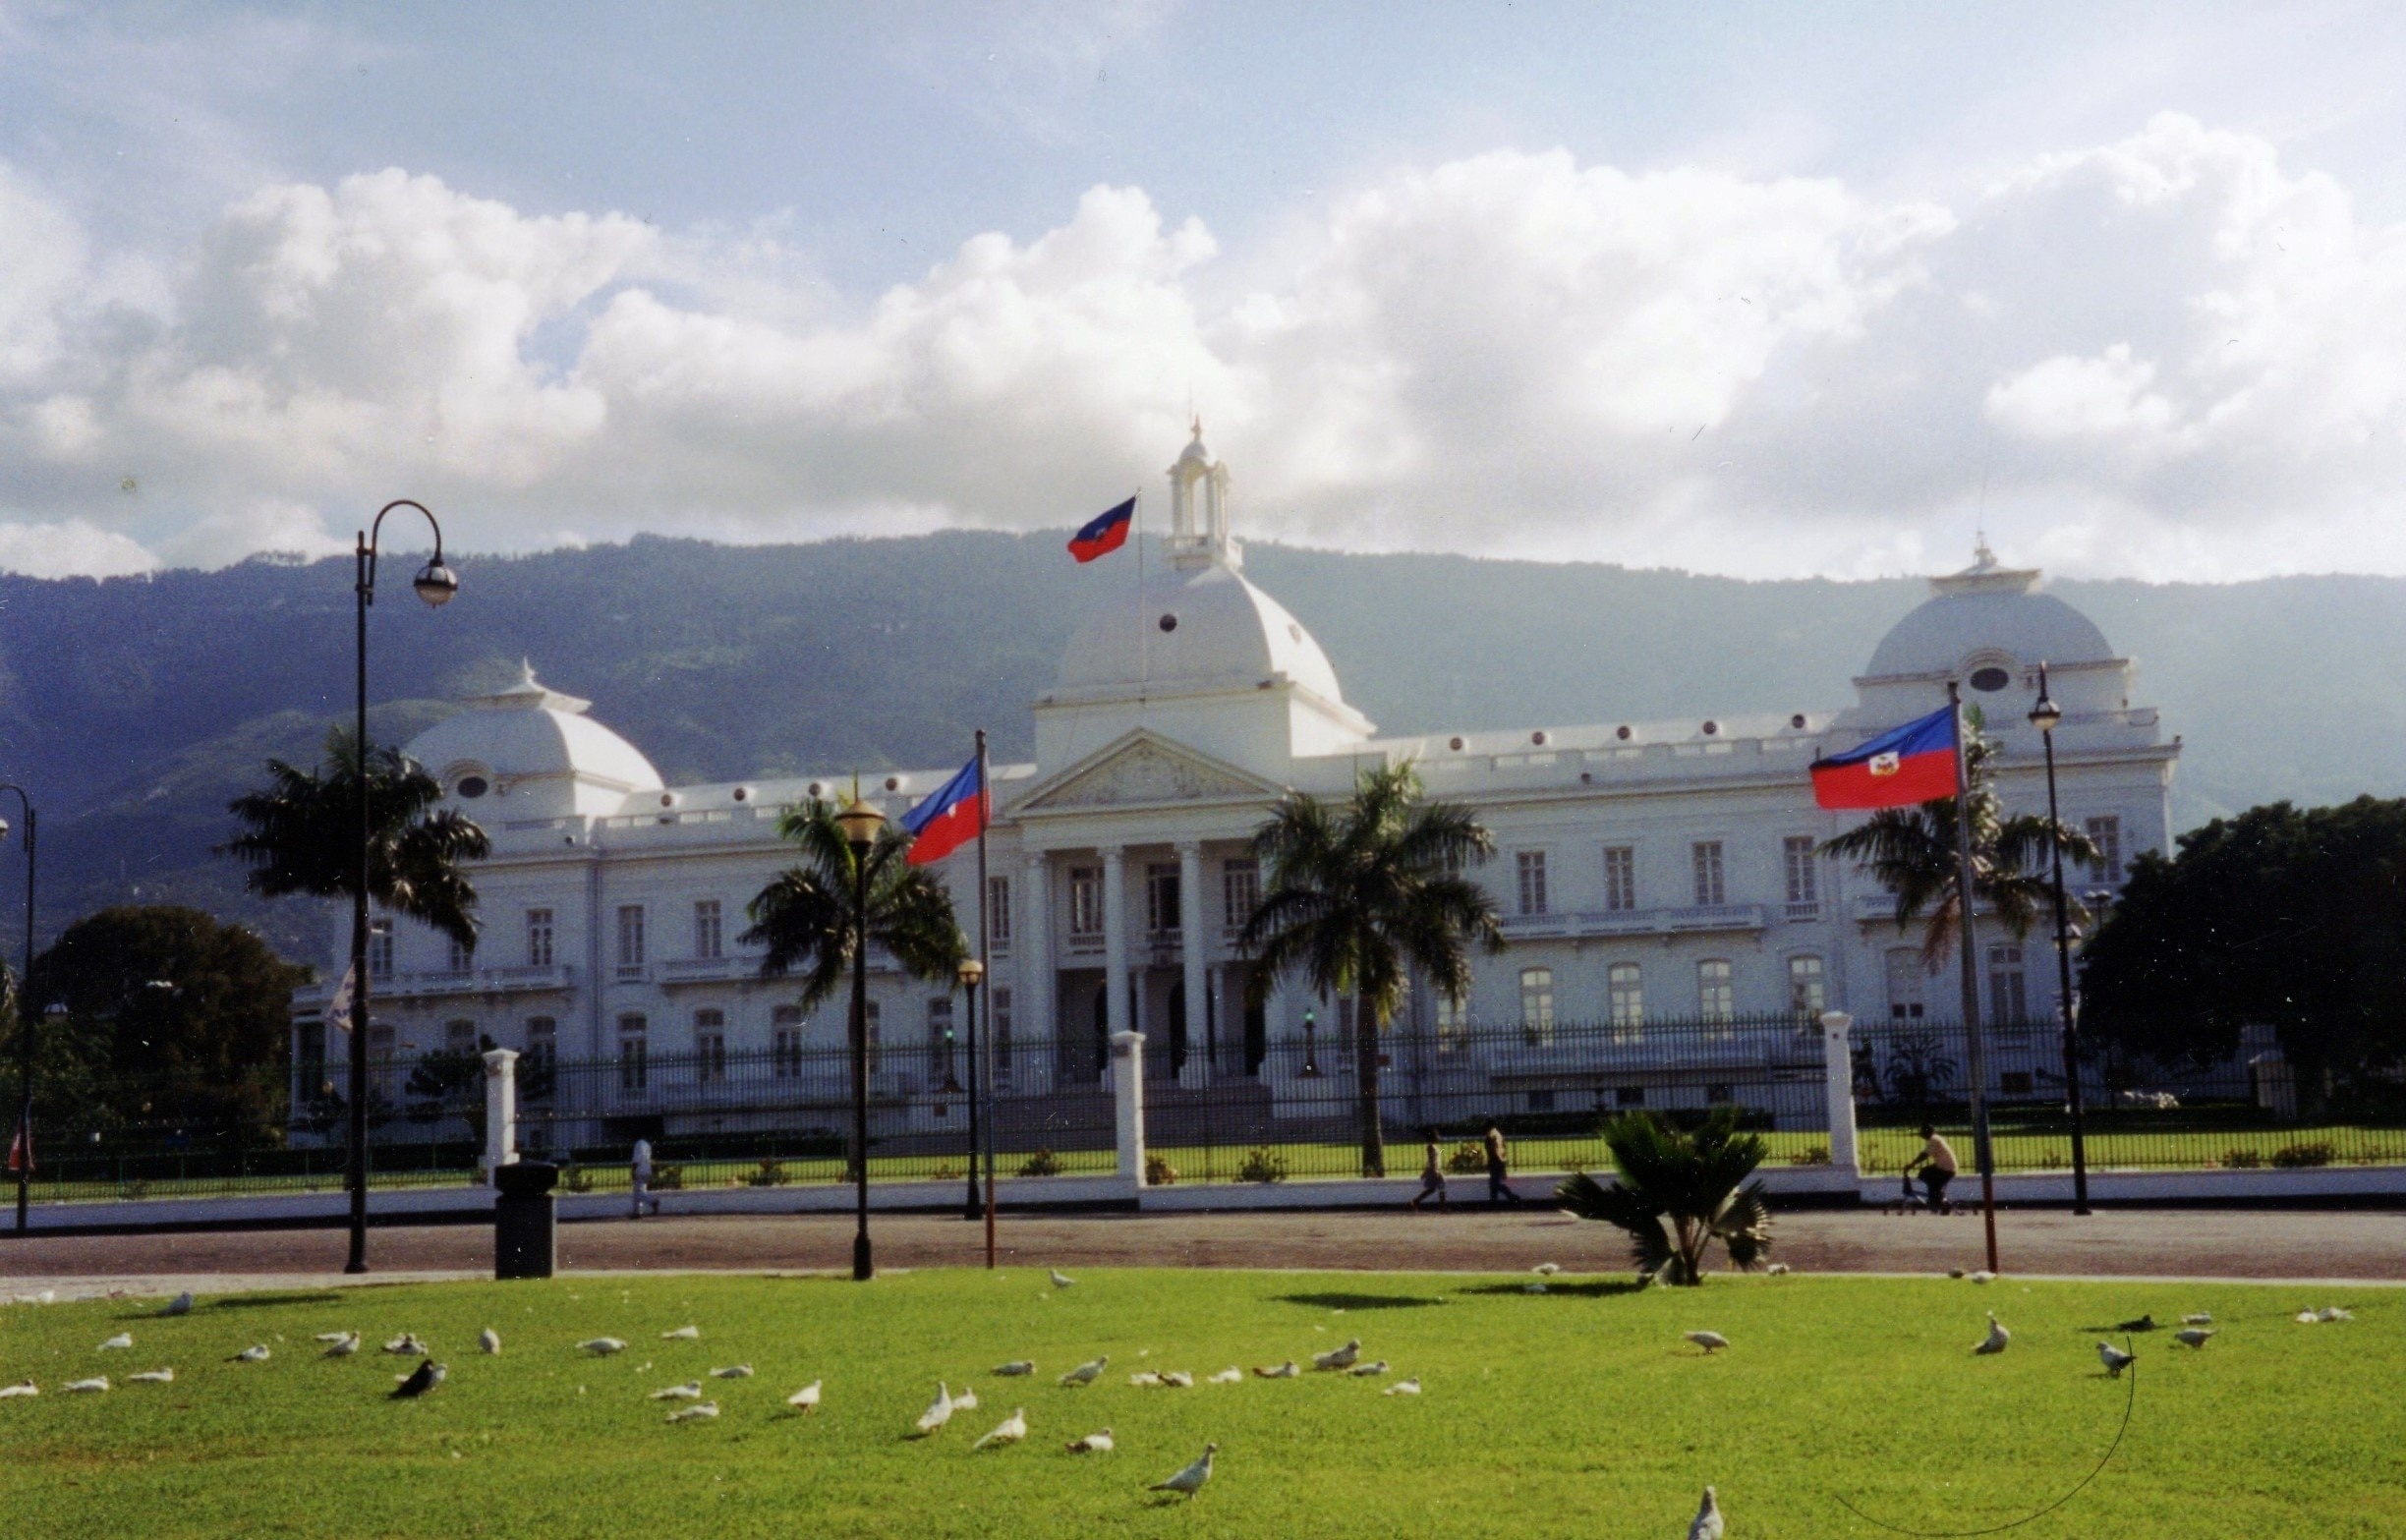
pixel 1692 920
pixel 698 970
pixel 432 983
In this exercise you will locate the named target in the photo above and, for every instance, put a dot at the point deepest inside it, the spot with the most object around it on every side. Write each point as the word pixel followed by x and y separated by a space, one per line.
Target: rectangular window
pixel 459 1036
pixel 1808 992
pixel 941 1069
pixel 1804 875
pixel 1619 877
pixel 998 913
pixel 380 949
pixel 1453 1024
pixel 785 1043
pixel 1907 978
pixel 310 1058
pixel 1624 991
pixel 538 938
pixel 1538 1006
pixel 381 1048
pixel 710 1048
pixel 2106 834
pixel 634 1055
pixel 2008 985
pixel 999 1010
pixel 1709 893
pixel 1531 865
pixel 873 1035
pixel 1162 899
pixel 1716 994
pixel 1629 1095
pixel 458 958
pixel 630 940
pixel 1085 900
pixel 708 930
pixel 539 1059
pixel 1239 892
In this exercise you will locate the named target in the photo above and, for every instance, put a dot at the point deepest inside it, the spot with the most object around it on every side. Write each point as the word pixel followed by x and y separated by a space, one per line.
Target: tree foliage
pixel 1678 1193
pixel 804 916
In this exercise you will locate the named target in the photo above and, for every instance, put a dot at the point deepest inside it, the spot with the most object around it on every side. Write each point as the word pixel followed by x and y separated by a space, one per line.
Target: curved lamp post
pixel 860 823
pixel 24 1015
pixel 971 974
pixel 435 584
pixel 2047 715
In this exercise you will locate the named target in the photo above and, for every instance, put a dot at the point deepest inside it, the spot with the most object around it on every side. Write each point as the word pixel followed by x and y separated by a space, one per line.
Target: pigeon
pixel 121 1340
pixel 2145 1323
pixel 20 1388
pixel 1709 1340
pixel 1363 1371
pixel 699 1412
pixel 683 1333
pixel 1061 1280
pixel 1010 1430
pixel 1285 1371
pixel 1997 1337
pixel 806 1400
pixel 2308 1317
pixel 489 1341
pixel 256 1353
pixel 1143 1378
pixel 1190 1480
pixel 1707 1526
pixel 1776 1270
pixel 690 1391
pixel 1091 1444
pixel 181 1304
pixel 741 1371
pixel 407 1345
pixel 1086 1373
pixel 153 1377
pixel 427 1375
pixel 1232 1375
pixel 337 1337
pixel 1339 1357
pixel 1177 1379
pixel 2114 1359
pixel 2202 1318
pixel 82 1387
pixel 1546 1268
pixel 1410 1387
pixel 1015 1368
pixel 602 1346
pixel 1533 1288
pixel 1982 1276
pixel 938 1413
pixel 966 1400
pixel 2334 1313
pixel 344 1344
pixel 2193 1335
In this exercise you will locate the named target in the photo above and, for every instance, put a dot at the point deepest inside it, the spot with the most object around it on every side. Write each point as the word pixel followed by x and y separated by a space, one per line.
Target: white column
pixel 1191 932
pixel 1127 1101
pixel 500 1110
pixel 1839 1067
pixel 1039 1019
pixel 1114 943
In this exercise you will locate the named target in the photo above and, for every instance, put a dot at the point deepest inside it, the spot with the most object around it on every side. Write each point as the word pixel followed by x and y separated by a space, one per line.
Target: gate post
pixel 500 1110
pixel 1128 1099
pixel 1838 1060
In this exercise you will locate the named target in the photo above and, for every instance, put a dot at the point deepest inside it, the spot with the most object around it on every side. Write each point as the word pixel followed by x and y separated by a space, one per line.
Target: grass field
pixel 1579 1412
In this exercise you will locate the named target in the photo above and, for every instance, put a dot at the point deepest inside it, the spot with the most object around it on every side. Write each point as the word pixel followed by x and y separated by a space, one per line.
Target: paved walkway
pixel 2356 1245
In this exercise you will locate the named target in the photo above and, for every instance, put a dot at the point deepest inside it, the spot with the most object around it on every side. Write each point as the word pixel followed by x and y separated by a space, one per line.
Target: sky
pixel 1767 291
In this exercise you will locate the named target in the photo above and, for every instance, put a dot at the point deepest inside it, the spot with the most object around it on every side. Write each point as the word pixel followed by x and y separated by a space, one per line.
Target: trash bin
pixel 526 1219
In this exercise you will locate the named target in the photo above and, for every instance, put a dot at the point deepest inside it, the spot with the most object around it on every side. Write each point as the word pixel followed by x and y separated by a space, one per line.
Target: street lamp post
pixel 435 584
pixel 971 974
pixel 2045 717
pixel 24 1020
pixel 860 823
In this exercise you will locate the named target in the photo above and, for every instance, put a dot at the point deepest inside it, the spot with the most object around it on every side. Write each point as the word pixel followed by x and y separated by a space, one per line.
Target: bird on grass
pixel 489 1341
pixel 1177 1379
pixel 1997 1337
pixel 2114 1359
pixel 966 1400
pixel 1364 1371
pixel 1232 1375
pixel 1061 1280
pixel 1284 1371
pixel 427 1375
pixel 741 1371
pixel 1144 1378
pixel 1190 1480
pixel 1086 1373
pixel 1015 1368
pixel 337 1337
pixel 700 1412
pixel 407 1345
pixel 2193 1335
pixel 1707 1526
pixel 938 1413
pixel 602 1346
pixel 1776 1270
pixel 2334 1313
pixel 121 1340
pixel 2202 1318
pixel 2145 1323
pixel 1709 1340
pixel 2308 1317
pixel 1010 1430
pixel 1982 1276
pixel 683 1333
pixel 1410 1387
pixel 256 1353
pixel 1546 1268
pixel 20 1388
pixel 690 1391
pixel 1339 1357
pixel 343 1345
pixel 1091 1444
pixel 153 1377
pixel 181 1304
pixel 86 1387
pixel 806 1400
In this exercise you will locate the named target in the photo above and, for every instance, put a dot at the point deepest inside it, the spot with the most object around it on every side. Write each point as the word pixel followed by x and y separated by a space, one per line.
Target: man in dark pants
pixel 1498 1162
pixel 1936 1163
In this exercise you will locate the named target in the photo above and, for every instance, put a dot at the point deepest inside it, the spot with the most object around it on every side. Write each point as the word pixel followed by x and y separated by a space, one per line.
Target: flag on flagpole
pixel 1902 766
pixel 1104 534
pixel 339 1005
pixel 20 1148
pixel 955 815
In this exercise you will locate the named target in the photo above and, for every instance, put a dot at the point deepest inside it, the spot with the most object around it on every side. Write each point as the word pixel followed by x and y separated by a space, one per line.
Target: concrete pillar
pixel 500 1110
pixel 1127 1101
pixel 1193 949
pixel 1838 1066
pixel 1114 943
pixel 1037 1012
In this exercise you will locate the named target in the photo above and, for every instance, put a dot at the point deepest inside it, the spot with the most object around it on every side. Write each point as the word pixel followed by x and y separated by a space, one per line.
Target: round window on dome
pixel 1990 679
pixel 1168 622
pixel 471 786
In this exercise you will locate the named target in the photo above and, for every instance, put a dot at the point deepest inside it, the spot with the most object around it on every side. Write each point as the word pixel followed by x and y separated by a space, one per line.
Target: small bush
pixel 2292 1157
pixel 671 1179
pixel 2243 1159
pixel 1812 1153
pixel 2051 1162
pixel 1042 1163
pixel 946 1170
pixel 1469 1155
pixel 768 1174
pixel 575 1178
pixel 1159 1173
pixel 1261 1166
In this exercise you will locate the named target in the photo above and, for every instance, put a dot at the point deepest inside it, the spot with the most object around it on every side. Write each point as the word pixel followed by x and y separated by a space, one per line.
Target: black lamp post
pixel 435 584
pixel 2045 717
pixel 971 974
pixel 25 1018
pixel 860 823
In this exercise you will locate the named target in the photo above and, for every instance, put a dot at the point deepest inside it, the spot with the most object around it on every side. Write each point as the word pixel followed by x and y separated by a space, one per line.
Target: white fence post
pixel 1127 1098
pixel 500 1110
pixel 1838 1061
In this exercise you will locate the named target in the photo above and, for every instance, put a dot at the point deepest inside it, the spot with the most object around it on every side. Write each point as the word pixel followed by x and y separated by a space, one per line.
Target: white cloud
pixel 70 549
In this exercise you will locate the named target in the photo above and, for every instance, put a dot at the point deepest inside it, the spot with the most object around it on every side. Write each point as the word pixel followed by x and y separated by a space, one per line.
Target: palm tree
pixel 804 916
pixel 302 836
pixel 1359 897
pixel 1678 1193
pixel 1911 852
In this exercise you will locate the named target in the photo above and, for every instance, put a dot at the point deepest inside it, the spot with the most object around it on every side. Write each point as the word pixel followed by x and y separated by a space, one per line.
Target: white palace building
pixel 1646 871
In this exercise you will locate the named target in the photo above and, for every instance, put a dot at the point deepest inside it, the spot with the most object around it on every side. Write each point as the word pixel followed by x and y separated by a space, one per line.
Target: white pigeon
pixel 1339 1357
pixel 1997 1337
pixel 740 1371
pixel 1010 1430
pixel 344 1344
pixel 489 1341
pixel 1144 1377
pixel 1410 1387
pixel 699 1412
pixel 1015 1368
pixel 1190 1480
pixel 1546 1268
pixel 153 1377
pixel 2308 1317
pixel 938 1413
pixel 1177 1379
pixel 256 1353
pixel 1376 1366
pixel 20 1388
pixel 181 1304
pixel 683 1333
pixel 2334 1313
pixel 602 1346
pixel 407 1344
pixel 1061 1280
pixel 1285 1371
pixel 121 1340
pixel 1709 1340
pixel 2202 1318
pixel 1086 1373
pixel 1091 1444
pixel 966 1400
pixel 2193 1335
pixel 690 1391
pixel 2114 1359
pixel 83 1387
pixel 806 1400
pixel 1776 1270
pixel 337 1337
pixel 1232 1375
pixel 1982 1276
pixel 1707 1526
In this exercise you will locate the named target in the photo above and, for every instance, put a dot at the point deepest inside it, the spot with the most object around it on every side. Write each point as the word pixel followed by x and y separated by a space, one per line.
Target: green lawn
pixel 1580 1413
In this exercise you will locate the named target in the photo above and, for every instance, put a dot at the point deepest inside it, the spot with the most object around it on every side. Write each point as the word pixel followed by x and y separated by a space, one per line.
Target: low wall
pixel 2053 1190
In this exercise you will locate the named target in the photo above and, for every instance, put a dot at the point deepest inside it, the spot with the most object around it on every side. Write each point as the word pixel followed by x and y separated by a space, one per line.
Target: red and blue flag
pixel 1902 766
pixel 1105 533
pixel 955 815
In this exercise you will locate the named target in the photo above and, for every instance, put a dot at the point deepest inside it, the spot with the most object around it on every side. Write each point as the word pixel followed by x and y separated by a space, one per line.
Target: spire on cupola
pixel 1199 525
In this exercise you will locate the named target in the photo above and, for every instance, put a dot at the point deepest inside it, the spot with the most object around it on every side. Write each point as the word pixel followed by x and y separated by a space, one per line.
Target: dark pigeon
pixel 427 1375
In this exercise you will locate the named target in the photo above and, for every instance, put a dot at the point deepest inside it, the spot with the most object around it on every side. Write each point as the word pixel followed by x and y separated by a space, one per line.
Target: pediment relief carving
pixel 1145 772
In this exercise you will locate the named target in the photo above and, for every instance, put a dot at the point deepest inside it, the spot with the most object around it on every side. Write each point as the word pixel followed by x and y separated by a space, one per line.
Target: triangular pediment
pixel 1145 769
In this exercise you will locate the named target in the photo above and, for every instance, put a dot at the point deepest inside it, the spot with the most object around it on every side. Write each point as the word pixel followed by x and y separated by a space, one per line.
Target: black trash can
pixel 526 1219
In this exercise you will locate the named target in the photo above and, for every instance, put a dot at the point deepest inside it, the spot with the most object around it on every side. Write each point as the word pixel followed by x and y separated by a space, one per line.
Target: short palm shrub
pixel 1044 1163
pixel 1811 1155
pixel 1262 1166
pixel 1159 1173
pixel 771 1173
pixel 2292 1157
pixel 2243 1159
pixel 668 1178
pixel 575 1178
pixel 1467 1159
pixel 1678 1192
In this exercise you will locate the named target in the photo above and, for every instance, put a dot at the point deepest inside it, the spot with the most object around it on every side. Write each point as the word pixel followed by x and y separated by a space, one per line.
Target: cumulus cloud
pixel 70 549
pixel 2168 356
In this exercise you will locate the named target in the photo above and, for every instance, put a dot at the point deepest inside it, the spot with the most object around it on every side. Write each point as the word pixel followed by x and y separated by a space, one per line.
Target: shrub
pixel 1042 1163
pixel 946 1170
pixel 671 1179
pixel 575 1178
pixel 769 1174
pixel 2243 1159
pixel 2291 1157
pixel 1812 1153
pixel 1262 1166
pixel 1159 1173
pixel 1470 1156
pixel 2050 1161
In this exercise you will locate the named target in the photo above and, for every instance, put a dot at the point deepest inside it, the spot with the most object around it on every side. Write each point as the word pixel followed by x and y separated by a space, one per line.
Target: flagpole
pixel 985 1028
pixel 1976 1052
pixel 1144 633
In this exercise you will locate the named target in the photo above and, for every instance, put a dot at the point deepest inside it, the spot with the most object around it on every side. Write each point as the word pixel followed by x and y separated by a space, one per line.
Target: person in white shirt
pixel 643 1179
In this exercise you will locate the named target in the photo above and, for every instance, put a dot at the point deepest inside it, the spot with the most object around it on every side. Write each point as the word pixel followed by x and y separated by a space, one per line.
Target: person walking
pixel 1432 1176
pixel 642 1173
pixel 1499 1163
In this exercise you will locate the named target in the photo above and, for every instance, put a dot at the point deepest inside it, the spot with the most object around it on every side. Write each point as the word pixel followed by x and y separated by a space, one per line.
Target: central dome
pixel 1987 612
pixel 1195 629
pixel 535 747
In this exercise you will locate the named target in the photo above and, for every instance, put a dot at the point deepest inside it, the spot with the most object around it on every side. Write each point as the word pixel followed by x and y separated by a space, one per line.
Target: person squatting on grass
pixel 1937 1166
pixel 1499 1162
pixel 1432 1176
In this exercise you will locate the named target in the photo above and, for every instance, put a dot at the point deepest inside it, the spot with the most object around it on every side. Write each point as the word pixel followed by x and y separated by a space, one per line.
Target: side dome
pixel 535 750
pixel 1193 629
pixel 1988 616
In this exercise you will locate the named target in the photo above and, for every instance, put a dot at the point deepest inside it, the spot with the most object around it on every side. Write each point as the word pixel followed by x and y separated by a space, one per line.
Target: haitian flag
pixel 1107 533
pixel 952 817
pixel 1904 766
